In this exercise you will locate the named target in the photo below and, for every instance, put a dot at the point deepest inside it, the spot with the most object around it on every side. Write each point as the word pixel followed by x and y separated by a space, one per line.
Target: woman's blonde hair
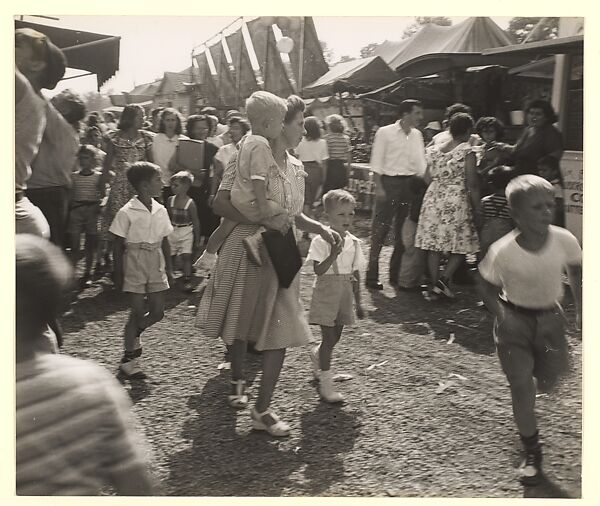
pixel 336 123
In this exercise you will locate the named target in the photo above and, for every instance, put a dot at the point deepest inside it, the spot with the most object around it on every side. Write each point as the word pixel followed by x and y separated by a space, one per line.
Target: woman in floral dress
pixel 447 219
pixel 124 146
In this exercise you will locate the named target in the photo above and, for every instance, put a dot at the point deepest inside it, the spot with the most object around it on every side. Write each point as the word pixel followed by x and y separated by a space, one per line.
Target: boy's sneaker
pixel 326 390
pixel 531 467
pixel 187 285
pixel 131 368
pixel 314 358
pixel 206 262
pixel 85 281
pixel 252 245
pixel 442 288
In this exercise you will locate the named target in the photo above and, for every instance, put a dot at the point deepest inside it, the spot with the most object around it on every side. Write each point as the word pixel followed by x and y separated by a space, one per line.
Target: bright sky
pixel 151 45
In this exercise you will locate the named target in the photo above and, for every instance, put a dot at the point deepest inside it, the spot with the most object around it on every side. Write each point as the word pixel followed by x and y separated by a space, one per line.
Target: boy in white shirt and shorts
pixel 142 258
pixel 521 285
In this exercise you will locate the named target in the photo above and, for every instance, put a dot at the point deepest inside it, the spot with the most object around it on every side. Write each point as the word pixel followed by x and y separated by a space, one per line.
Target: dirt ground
pixel 423 417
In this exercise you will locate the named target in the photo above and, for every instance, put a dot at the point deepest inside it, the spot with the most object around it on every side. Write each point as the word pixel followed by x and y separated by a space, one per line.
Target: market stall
pixel 92 52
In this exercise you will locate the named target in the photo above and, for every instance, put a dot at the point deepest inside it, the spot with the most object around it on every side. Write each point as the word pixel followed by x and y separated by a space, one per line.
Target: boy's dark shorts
pixel 532 343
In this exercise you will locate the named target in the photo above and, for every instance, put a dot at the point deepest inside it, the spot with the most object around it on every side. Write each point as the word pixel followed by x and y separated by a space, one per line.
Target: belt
pixel 348 277
pixel 147 246
pixel 526 310
pixel 185 225
pixel 403 176
pixel 85 203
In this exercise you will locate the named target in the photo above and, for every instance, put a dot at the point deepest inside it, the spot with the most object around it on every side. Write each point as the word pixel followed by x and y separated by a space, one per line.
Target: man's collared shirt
pixel 396 154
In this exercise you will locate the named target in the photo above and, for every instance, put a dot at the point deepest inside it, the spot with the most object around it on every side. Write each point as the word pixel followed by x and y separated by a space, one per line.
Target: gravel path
pixel 423 417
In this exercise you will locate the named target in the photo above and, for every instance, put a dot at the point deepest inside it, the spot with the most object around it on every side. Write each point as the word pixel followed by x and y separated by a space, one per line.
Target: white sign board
pixel 572 170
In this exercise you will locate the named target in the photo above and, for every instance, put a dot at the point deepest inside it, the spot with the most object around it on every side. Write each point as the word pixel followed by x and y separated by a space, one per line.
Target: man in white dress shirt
pixel 398 155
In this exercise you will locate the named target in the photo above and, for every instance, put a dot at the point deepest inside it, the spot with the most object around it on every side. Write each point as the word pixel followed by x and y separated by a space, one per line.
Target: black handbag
pixel 284 254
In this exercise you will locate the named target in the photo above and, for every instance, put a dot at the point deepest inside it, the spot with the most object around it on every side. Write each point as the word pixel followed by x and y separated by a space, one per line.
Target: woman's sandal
pixel 238 400
pixel 277 429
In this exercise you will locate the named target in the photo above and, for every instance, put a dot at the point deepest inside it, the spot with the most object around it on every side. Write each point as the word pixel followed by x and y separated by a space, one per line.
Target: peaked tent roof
pixel 357 75
pixel 468 37
pixel 94 52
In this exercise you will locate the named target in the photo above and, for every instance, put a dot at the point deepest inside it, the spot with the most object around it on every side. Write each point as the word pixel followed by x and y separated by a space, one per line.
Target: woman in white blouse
pixel 164 145
pixel 312 152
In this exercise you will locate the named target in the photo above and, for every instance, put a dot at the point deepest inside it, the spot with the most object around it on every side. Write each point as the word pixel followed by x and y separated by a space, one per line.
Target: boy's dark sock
pixel 130 355
pixel 531 442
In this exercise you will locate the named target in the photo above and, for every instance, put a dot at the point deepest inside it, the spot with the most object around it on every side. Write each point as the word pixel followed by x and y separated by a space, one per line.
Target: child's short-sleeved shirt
pixel 495 206
pixel 74 427
pixel 312 151
pixel 338 146
pixel 86 188
pixel 254 162
pixel 531 279
pixel 136 224
pixel 349 260
pixel 255 158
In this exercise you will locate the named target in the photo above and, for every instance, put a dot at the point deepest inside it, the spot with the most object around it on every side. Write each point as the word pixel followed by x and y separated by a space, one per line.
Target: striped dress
pixel 74 428
pixel 244 301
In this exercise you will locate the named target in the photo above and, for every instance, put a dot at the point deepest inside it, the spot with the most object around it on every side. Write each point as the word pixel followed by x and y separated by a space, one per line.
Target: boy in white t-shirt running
pixel 521 285
pixel 336 288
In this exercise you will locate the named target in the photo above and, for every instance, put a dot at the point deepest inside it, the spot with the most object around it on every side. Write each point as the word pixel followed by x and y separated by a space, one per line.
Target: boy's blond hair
pixel 336 197
pixel 520 186
pixel 262 105
pixel 183 176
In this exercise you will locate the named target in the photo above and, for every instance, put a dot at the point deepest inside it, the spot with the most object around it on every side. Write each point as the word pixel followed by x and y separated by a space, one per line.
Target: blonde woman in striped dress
pixel 244 302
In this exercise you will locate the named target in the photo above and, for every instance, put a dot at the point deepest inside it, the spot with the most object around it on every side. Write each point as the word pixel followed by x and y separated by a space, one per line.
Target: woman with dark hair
pixel 198 128
pixel 540 138
pixel 124 146
pixel 491 131
pixel 243 301
pixel 312 152
pixel 164 145
pixel 446 222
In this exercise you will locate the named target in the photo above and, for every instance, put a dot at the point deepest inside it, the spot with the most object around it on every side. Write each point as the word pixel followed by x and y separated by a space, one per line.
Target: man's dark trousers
pixel 394 206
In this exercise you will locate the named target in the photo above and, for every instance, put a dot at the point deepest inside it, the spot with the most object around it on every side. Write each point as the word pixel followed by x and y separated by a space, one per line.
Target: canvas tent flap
pixel 563 45
pixel 469 37
pixel 355 76
pixel 94 52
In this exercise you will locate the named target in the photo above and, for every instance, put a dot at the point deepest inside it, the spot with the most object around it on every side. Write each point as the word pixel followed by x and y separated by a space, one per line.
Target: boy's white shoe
pixel 206 262
pixel 326 389
pixel 131 367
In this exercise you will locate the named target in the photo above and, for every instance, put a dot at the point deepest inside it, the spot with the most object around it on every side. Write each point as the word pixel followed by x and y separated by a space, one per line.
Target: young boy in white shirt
pixel 142 258
pixel 521 285
pixel 337 287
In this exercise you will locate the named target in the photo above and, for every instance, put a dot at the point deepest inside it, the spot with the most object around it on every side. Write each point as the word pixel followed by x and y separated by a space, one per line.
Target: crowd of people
pixel 236 212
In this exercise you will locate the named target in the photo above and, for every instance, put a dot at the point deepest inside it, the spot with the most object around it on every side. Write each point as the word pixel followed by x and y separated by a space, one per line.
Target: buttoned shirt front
pixel 395 153
pixel 136 223
pixel 163 148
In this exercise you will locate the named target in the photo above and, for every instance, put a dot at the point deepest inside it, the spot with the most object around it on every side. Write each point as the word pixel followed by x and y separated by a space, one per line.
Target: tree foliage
pixel 369 50
pixel 421 21
pixel 519 28
pixel 95 101
pixel 345 58
pixel 327 52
